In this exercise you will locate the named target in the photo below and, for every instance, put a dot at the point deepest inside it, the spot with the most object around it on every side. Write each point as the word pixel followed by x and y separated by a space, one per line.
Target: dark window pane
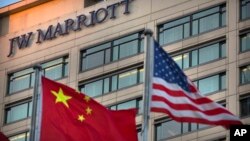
pixel 195 27
pixel 127 79
pixel 209 23
pixel 94 60
pixel 94 89
pixel 114 83
pixel 107 56
pixel 208 85
pixel 245 106
pixel 167 129
pixel 173 34
pixel 17 113
pixel 209 53
pixel 245 74
pixel 245 42
pixel 127 105
pixel 115 53
pixel 106 85
pixel 194 58
pixel 186 30
pixel 128 49
pixel 206 12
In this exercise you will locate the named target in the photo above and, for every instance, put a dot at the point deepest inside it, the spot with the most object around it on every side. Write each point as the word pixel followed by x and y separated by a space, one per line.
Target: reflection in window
pixel 113 82
pixel 202 55
pixel 18 111
pixel 245 106
pixel 194 24
pixel 245 42
pixel 4 3
pixel 20 137
pixel 136 103
pixel 211 84
pixel 112 51
pixel 24 79
pixel 244 9
pixel 245 74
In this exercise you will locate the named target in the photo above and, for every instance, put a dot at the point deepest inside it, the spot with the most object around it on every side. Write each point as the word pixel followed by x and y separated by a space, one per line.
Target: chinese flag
pixel 68 115
pixel 3 137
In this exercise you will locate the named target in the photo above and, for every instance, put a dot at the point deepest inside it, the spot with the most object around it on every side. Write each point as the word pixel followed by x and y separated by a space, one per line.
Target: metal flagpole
pixel 148 66
pixel 37 69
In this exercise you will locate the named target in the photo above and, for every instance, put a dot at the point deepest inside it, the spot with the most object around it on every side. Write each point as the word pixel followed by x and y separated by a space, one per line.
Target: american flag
pixel 174 94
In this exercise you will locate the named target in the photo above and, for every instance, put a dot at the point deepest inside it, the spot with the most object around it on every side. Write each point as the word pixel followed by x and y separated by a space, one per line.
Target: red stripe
pixel 217 110
pixel 202 100
pixel 224 123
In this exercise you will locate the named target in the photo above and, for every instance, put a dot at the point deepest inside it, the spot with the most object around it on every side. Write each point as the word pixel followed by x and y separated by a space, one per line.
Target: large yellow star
pixel 81 118
pixel 61 97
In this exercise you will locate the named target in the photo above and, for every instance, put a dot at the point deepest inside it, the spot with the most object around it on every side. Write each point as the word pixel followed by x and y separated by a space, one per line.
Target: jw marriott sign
pixel 53 31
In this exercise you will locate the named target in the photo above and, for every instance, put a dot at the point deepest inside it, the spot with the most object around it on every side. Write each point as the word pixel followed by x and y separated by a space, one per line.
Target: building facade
pixel 97 47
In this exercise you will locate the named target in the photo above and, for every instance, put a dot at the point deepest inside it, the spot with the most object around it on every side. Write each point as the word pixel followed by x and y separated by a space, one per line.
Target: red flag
pixel 175 95
pixel 3 137
pixel 68 115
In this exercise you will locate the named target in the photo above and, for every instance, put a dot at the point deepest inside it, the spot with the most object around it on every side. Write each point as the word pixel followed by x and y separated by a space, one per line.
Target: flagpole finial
pixel 148 32
pixel 37 66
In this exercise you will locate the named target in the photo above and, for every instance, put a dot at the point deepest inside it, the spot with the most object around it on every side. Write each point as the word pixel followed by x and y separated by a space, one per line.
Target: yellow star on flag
pixel 87 98
pixel 81 118
pixel 61 97
pixel 88 111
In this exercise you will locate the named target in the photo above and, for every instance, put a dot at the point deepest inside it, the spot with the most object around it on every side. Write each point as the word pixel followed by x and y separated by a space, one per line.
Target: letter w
pixel 23 40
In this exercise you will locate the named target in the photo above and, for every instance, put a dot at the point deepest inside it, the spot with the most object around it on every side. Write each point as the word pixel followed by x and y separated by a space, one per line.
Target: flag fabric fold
pixel 68 115
pixel 3 137
pixel 174 94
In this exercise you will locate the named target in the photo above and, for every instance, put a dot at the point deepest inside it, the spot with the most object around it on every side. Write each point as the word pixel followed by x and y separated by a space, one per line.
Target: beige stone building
pixel 96 46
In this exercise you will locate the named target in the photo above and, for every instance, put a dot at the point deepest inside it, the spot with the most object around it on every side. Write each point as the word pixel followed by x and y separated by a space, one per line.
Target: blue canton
pixel 166 68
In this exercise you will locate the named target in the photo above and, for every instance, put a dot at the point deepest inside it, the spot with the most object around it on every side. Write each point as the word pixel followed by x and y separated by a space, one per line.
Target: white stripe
pixel 185 100
pixel 175 87
pixel 193 114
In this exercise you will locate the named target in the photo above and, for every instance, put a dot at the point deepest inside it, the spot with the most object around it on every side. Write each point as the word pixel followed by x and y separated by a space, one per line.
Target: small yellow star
pixel 81 118
pixel 88 111
pixel 87 98
pixel 61 97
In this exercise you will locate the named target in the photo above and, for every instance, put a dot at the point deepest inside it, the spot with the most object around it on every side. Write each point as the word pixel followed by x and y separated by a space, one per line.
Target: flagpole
pixel 148 66
pixel 37 69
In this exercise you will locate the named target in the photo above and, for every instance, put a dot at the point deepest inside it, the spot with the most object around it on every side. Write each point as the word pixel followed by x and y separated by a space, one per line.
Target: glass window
pixel 111 51
pixel 18 111
pixel 113 82
pixel 24 79
pixel 212 84
pixel 244 9
pixel 20 137
pixel 245 106
pixel 245 42
pixel 194 24
pixel 4 3
pixel 56 69
pixel 245 74
pixel 202 55
pixel 20 80
pixel 136 103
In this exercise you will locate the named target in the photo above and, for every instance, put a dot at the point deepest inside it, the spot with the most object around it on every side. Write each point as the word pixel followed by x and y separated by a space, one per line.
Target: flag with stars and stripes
pixel 174 94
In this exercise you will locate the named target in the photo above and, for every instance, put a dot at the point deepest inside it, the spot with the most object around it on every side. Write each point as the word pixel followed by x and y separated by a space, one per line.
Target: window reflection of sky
pixel 4 3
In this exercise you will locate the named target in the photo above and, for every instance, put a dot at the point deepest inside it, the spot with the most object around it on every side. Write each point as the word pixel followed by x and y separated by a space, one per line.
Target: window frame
pixel 26 132
pixel 137 67
pixel 240 9
pixel 241 35
pixel 244 97
pixel 140 40
pixel 27 101
pixel 240 74
pixel 191 34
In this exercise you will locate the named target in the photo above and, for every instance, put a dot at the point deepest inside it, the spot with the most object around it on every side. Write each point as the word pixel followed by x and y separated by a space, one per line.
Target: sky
pixel 4 3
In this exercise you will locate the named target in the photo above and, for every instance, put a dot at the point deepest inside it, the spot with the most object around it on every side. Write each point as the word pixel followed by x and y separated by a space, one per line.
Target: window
pixel 193 24
pixel 136 103
pixel 245 74
pixel 244 9
pixel 88 3
pixel 56 69
pixel 245 42
pixel 112 51
pixel 113 82
pixel 212 84
pixel 4 3
pixel 18 111
pixel 245 106
pixel 202 55
pixel 170 128
pixel 24 79
pixel 20 137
